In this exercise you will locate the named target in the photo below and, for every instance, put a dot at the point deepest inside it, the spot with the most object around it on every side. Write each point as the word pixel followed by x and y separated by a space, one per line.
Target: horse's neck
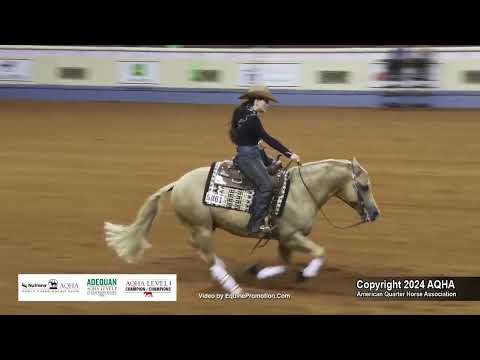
pixel 324 178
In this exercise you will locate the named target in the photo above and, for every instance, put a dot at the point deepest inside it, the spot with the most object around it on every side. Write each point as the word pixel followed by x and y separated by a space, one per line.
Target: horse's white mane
pixel 336 161
pixel 323 162
pixel 341 161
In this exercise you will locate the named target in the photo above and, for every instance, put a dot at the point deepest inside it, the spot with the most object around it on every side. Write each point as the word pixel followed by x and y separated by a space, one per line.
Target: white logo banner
pixel 272 75
pixel 15 70
pixel 97 287
pixel 139 72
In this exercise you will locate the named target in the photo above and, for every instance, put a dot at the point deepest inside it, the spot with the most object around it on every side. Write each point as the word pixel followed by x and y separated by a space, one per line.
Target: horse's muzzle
pixel 371 215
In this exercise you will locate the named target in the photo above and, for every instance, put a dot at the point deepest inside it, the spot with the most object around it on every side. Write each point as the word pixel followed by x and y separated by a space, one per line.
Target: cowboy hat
pixel 258 92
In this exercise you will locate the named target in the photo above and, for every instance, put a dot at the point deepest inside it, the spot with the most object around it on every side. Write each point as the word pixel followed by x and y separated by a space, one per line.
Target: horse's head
pixel 357 192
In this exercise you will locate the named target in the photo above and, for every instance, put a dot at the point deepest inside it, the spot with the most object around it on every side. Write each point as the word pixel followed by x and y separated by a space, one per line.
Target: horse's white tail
pixel 131 241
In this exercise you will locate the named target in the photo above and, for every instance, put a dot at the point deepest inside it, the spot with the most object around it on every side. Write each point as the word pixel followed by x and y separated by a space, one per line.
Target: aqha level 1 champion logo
pixel 102 286
pixel 148 287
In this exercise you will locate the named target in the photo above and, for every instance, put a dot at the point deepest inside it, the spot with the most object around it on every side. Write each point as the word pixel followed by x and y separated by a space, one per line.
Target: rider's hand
pixel 295 157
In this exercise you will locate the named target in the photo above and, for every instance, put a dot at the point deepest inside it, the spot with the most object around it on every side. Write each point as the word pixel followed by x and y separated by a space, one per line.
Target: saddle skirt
pixel 228 188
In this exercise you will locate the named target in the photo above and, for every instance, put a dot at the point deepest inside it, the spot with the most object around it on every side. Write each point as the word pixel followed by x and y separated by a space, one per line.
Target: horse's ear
pixel 356 165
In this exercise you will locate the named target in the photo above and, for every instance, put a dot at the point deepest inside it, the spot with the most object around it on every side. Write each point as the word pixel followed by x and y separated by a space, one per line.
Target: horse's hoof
pixel 253 270
pixel 300 277
pixel 237 291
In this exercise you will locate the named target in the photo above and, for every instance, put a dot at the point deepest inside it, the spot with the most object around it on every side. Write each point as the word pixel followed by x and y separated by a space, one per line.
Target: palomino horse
pixel 311 186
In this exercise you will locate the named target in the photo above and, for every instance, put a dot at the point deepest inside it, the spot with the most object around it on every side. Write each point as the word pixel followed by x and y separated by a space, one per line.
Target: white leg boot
pixel 312 269
pixel 219 261
pixel 224 278
pixel 271 271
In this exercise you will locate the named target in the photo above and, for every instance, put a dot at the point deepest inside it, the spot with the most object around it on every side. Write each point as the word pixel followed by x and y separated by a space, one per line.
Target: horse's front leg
pixel 271 271
pixel 300 242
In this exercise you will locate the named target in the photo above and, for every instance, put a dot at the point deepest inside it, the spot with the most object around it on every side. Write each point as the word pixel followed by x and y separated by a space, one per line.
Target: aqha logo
pixel 148 294
pixel 53 284
pixel 69 286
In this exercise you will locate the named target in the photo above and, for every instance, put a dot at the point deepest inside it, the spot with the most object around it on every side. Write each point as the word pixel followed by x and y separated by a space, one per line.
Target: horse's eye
pixel 365 187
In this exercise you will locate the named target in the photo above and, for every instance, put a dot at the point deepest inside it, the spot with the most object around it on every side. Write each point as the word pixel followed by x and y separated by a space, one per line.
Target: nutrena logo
pixel 34 285
pixel 104 282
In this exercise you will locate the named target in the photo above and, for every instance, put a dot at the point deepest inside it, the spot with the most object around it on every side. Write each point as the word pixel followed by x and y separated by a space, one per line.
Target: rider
pixel 246 131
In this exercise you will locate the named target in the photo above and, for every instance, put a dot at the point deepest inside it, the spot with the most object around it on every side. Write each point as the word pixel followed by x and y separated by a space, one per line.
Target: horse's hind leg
pixel 201 238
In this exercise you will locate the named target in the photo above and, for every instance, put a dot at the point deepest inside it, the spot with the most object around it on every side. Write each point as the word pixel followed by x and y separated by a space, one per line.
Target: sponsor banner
pixel 412 72
pixel 15 70
pixel 139 72
pixel 272 75
pixel 97 287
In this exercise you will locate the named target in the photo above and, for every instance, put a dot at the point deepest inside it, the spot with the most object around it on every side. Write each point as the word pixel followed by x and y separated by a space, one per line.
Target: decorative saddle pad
pixel 226 187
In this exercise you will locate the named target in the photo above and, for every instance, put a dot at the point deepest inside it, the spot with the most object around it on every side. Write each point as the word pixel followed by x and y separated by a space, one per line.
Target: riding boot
pixel 260 211
pixel 252 166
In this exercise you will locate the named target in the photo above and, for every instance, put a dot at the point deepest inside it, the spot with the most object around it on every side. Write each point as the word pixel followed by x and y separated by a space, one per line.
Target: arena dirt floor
pixel 68 167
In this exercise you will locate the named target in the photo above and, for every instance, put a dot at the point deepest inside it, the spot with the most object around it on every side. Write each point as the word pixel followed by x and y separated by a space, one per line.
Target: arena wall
pixel 299 77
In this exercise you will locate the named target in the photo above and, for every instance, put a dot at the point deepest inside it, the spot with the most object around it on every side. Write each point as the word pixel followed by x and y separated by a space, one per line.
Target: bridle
pixel 361 200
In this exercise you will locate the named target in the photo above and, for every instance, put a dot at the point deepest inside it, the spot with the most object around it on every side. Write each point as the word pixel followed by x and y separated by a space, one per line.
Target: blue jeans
pixel 249 160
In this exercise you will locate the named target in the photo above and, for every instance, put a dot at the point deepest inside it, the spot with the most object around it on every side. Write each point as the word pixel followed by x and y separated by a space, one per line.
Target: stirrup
pixel 268 224
pixel 266 233
pixel 266 228
pixel 265 238
pixel 263 231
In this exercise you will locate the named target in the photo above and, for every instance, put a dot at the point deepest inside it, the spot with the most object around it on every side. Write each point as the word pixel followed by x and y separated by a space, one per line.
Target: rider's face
pixel 261 105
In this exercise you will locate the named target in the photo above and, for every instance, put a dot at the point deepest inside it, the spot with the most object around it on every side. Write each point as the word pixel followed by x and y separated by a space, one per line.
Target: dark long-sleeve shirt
pixel 247 130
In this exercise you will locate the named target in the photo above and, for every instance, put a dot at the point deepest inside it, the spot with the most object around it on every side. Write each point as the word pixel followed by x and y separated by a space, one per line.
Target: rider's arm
pixel 260 131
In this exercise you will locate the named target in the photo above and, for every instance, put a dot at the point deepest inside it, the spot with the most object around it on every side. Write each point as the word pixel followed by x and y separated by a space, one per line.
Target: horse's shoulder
pixel 200 170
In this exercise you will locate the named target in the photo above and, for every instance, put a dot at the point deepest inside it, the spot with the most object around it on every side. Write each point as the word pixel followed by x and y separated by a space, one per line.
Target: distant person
pixel 395 65
pixel 423 64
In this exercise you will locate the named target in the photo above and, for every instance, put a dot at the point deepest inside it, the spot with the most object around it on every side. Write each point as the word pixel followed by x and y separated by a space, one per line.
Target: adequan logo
pixel 102 287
